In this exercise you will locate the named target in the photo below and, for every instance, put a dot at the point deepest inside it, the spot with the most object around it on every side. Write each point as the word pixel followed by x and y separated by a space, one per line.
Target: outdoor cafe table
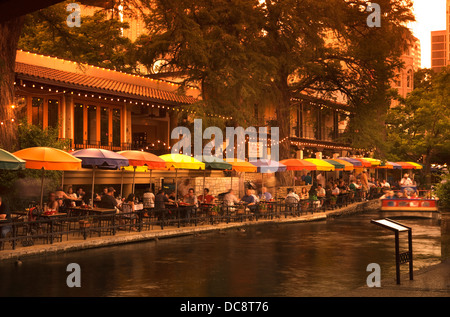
pixel 84 211
pixel 52 218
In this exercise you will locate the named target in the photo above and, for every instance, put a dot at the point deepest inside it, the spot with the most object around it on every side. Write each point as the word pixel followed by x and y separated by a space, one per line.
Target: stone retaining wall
pixel 67 246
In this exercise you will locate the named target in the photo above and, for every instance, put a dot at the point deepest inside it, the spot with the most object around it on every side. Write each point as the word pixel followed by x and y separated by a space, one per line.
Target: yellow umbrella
pixel 181 161
pixel 45 158
pixel 241 166
pixel 417 165
pixel 321 164
pixel 373 162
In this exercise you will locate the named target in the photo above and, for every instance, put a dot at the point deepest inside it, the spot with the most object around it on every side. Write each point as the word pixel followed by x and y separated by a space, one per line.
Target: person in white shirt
pixel 385 184
pixel 320 179
pixel 406 181
pixel 335 190
pixel 148 199
pixel 292 196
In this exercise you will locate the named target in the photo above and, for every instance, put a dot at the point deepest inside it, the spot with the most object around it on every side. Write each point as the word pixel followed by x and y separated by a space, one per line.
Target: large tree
pixel 9 35
pixel 247 52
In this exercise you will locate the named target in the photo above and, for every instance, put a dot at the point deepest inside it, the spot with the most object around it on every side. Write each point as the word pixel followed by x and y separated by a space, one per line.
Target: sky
pixel 430 16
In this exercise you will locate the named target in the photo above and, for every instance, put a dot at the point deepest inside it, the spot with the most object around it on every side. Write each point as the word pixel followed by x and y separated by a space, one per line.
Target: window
pixel 37 111
pixel 78 126
pixel 116 127
pixel 409 79
pixel 53 113
pixel 92 125
pixel 20 103
pixel 104 126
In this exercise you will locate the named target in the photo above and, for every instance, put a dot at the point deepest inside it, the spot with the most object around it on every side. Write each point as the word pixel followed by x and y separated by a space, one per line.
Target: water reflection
pixel 308 259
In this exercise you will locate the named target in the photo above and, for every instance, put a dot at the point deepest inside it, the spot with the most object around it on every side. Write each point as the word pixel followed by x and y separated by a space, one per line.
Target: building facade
pixel 96 107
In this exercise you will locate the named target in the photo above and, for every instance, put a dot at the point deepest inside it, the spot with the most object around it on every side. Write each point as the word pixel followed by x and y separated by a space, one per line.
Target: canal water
pixel 323 258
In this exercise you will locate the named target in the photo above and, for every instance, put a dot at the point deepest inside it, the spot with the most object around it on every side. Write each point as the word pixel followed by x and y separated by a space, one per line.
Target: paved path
pixel 432 281
pixel 157 233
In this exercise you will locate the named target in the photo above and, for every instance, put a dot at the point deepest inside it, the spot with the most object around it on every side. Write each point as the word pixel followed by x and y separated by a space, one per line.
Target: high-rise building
pixel 440 44
pixel 439 50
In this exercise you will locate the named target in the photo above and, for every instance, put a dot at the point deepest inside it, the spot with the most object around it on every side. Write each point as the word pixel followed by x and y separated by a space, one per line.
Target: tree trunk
pixel 10 32
pixel 283 119
pixel 427 169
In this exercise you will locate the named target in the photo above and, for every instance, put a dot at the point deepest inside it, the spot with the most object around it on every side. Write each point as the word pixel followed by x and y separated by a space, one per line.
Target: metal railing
pixel 26 230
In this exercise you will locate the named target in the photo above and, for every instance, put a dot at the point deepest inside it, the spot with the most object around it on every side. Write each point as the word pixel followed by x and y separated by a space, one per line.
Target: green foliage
pixel 248 54
pixel 31 136
pixel 420 125
pixel 443 192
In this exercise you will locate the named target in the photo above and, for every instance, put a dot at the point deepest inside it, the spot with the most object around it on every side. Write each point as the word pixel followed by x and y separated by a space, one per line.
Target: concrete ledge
pixel 170 232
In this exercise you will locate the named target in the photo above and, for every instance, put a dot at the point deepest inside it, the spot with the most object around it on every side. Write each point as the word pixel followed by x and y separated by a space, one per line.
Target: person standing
pixel 320 179
pixel 364 185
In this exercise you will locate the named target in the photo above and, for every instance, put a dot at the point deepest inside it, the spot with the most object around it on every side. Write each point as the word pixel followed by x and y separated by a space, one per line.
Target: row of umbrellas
pixel 45 158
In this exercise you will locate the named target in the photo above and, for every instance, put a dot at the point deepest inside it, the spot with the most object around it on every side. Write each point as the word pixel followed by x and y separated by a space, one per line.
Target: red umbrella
pixel 141 158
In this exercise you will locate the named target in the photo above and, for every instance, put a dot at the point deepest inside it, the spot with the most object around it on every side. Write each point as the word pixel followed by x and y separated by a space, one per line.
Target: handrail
pixel 53 229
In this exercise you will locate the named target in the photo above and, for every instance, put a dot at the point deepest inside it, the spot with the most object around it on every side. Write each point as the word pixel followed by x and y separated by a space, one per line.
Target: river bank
pixel 173 232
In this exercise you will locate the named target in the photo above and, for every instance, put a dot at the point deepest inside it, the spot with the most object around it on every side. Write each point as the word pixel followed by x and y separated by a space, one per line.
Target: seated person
pixel 108 200
pixel 304 193
pixel 52 206
pixel 208 199
pixel 250 200
pixel 292 197
pixel 4 215
pixel 148 199
pixel 190 198
pixel 265 195
pixel 229 199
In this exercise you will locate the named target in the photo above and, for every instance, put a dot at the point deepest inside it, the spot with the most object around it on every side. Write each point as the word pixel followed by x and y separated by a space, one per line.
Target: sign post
pixel 400 258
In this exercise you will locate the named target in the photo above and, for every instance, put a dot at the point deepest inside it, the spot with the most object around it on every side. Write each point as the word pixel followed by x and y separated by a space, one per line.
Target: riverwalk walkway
pixel 157 233
pixel 432 281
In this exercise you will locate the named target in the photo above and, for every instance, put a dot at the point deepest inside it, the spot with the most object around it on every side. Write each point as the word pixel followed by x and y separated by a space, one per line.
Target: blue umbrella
pixel 268 166
pixel 100 158
pixel 351 160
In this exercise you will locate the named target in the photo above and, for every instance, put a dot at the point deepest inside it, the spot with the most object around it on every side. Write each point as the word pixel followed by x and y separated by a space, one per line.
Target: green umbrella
pixel 9 161
pixel 214 163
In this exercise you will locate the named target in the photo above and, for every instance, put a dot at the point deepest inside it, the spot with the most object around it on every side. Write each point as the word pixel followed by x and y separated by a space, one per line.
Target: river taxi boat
pixel 420 206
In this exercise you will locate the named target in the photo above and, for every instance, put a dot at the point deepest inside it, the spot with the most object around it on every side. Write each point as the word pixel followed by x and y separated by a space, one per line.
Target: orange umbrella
pixel 46 158
pixel 241 166
pixel 298 165
pixel 365 163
